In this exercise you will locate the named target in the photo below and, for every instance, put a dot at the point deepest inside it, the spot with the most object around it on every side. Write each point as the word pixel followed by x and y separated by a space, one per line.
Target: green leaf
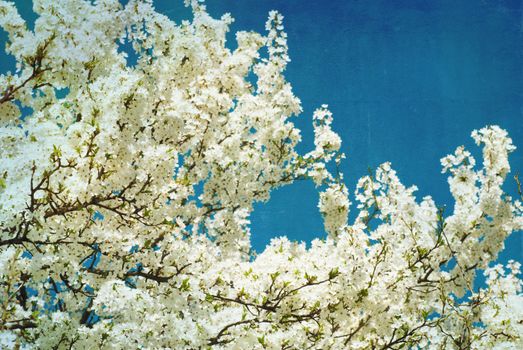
pixel 310 279
pixel 262 341
pixel 334 273
pixel 274 275
pixel 425 314
pixel 185 286
pixel 363 293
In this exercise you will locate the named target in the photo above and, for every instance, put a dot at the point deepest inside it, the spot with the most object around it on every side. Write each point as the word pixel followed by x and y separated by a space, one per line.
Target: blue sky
pixel 407 82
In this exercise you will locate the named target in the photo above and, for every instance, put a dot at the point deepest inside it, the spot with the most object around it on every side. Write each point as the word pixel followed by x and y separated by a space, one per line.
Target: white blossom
pixel 126 196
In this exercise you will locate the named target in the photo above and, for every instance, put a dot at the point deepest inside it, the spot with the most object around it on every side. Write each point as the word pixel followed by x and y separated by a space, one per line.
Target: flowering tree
pixel 106 243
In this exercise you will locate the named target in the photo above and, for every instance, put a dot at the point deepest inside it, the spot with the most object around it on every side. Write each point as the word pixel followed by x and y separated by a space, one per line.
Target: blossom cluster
pixel 126 193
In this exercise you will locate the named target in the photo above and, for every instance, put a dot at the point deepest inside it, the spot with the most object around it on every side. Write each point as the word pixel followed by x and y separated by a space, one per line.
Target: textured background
pixel 407 81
